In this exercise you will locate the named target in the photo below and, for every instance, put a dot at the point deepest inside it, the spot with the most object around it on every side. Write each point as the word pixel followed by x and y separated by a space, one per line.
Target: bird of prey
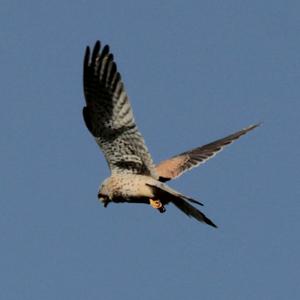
pixel 134 177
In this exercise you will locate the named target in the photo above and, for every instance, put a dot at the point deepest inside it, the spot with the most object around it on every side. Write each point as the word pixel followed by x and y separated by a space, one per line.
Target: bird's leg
pixel 157 204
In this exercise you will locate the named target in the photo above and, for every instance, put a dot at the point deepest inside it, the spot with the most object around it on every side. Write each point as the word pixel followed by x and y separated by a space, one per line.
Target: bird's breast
pixel 129 185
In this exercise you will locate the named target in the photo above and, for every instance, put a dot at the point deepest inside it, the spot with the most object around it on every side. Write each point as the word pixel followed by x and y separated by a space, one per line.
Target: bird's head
pixel 103 195
pixel 104 199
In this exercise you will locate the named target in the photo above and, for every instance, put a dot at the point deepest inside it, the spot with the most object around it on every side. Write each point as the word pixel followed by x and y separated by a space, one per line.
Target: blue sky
pixel 195 71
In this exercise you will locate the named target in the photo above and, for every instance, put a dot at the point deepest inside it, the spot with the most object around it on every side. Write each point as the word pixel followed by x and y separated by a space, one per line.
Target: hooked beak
pixel 104 199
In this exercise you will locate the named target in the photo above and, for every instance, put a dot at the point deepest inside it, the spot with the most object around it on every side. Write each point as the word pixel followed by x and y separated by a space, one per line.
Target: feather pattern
pixel 109 118
pixel 178 164
pixel 108 115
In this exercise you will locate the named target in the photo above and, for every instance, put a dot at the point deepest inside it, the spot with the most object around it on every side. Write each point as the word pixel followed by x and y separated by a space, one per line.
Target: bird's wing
pixel 108 115
pixel 177 165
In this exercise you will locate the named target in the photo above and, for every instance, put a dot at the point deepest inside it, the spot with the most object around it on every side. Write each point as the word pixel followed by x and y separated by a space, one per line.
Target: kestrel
pixel 134 177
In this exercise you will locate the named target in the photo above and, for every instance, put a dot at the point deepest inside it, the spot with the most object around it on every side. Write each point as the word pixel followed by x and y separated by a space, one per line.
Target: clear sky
pixel 195 71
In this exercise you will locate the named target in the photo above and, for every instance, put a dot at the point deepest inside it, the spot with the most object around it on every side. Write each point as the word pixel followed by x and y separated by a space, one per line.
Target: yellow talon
pixel 155 203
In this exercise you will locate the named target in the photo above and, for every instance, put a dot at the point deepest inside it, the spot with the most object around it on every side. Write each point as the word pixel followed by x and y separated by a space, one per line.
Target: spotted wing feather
pixel 108 115
pixel 177 165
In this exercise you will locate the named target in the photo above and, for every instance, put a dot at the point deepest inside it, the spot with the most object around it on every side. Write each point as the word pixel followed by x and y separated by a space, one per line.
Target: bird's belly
pixel 131 186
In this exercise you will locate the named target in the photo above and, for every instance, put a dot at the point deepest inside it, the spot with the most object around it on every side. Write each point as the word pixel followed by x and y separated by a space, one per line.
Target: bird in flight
pixel 134 177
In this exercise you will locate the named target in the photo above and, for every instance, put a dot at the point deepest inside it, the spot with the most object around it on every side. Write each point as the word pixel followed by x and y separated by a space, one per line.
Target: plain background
pixel 195 71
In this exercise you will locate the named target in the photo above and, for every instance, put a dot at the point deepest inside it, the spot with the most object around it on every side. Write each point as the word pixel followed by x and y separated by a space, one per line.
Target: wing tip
pixel 96 50
pixel 98 44
pixel 87 56
pixel 253 126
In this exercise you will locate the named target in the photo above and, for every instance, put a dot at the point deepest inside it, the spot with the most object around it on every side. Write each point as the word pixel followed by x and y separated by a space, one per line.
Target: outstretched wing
pixel 175 166
pixel 108 115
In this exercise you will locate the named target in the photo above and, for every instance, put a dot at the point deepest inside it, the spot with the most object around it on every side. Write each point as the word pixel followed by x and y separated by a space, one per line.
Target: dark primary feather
pixel 108 115
pixel 175 166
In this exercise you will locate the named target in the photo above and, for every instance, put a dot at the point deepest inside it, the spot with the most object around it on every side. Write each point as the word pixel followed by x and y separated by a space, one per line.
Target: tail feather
pixel 166 189
pixel 192 211
pixel 166 195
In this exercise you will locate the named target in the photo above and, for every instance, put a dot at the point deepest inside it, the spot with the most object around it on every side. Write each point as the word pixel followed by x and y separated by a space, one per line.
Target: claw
pixel 162 209
pixel 157 204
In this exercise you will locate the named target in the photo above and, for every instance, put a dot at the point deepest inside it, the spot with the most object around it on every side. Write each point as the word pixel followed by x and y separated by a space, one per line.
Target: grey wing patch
pixel 108 115
pixel 177 165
